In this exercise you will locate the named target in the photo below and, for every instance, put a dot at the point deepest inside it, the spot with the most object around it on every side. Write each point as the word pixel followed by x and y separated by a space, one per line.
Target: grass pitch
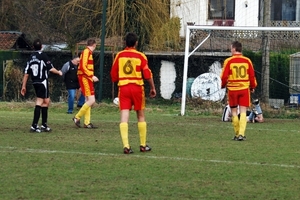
pixel 192 157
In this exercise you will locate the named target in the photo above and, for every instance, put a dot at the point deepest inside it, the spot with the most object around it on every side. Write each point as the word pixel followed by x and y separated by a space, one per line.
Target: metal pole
pixel 102 49
pixel 185 71
pixel 265 78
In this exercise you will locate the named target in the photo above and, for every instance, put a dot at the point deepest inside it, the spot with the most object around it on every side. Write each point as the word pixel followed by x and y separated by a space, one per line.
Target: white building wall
pixel 246 15
pixel 196 11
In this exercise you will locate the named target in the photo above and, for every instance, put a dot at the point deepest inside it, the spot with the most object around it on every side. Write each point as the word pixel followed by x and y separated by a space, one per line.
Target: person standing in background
pixel 239 77
pixel 70 78
pixel 129 68
pixel 86 80
pixel 38 68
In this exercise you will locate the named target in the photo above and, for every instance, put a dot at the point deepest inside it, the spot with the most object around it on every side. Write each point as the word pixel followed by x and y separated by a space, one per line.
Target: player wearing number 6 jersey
pixel 129 69
pixel 239 77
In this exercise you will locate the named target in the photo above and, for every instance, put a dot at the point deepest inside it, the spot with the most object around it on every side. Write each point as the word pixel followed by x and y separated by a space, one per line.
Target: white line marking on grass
pixel 27 150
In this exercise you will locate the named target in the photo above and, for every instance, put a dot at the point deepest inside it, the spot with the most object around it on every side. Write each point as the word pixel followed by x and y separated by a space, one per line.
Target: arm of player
pixel 224 77
pixel 24 82
pixel 152 88
pixel 86 65
pixel 55 71
pixel 148 77
pixel 252 78
pixel 114 75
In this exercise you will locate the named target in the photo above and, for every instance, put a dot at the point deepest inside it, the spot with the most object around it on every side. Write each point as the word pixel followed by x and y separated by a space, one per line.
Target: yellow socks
pixel 142 127
pixel 124 134
pixel 87 116
pixel 235 123
pixel 243 123
pixel 82 111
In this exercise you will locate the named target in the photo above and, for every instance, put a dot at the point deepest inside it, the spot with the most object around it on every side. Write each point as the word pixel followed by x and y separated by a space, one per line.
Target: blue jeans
pixel 71 97
pixel 258 109
pixel 253 115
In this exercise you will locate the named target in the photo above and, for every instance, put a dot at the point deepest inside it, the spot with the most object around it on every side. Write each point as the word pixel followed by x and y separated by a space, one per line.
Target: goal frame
pixel 187 54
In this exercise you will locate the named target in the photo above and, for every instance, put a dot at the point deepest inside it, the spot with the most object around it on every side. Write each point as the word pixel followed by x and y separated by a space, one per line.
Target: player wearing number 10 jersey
pixel 239 77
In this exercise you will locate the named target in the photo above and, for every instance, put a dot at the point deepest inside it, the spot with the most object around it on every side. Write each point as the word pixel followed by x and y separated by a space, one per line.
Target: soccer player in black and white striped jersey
pixel 38 68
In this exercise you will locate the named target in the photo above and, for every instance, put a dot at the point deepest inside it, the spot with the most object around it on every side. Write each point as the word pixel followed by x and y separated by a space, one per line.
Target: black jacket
pixel 70 75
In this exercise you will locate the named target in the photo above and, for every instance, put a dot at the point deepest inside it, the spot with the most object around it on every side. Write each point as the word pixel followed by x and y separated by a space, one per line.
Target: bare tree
pixel 266 52
pixel 6 9
pixel 72 21
pixel 140 16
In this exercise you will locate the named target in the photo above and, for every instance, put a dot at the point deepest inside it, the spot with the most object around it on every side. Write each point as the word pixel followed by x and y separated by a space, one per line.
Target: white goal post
pixel 187 54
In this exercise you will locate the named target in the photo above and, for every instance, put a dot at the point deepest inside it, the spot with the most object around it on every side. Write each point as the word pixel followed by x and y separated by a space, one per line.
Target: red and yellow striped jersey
pixel 130 66
pixel 86 65
pixel 238 73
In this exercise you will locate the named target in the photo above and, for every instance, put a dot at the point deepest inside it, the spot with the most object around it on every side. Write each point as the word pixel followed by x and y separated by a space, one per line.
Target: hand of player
pixel 95 79
pixel 152 93
pixel 252 90
pixel 23 91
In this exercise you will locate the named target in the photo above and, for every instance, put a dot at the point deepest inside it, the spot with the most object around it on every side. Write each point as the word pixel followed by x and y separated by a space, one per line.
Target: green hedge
pixel 279 72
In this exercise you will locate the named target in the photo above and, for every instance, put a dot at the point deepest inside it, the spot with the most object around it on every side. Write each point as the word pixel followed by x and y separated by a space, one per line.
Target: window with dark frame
pixel 221 9
pixel 283 10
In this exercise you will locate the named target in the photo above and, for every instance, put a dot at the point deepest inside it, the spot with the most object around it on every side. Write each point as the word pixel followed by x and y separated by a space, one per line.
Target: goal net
pixel 274 51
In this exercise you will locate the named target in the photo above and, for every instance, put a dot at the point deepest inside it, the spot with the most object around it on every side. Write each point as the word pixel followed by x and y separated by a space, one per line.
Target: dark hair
pixel 131 39
pixel 74 57
pixel 237 45
pixel 37 44
pixel 91 42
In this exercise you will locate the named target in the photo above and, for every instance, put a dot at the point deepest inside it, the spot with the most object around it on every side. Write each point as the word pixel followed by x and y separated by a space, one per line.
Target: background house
pixel 13 40
pixel 234 12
